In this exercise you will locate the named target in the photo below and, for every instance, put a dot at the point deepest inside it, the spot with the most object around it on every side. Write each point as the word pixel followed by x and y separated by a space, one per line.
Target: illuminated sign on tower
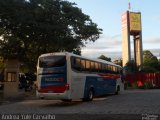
pixel 135 22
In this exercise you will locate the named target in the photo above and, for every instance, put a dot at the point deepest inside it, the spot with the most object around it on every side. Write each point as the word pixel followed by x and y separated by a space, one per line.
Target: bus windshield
pixel 52 61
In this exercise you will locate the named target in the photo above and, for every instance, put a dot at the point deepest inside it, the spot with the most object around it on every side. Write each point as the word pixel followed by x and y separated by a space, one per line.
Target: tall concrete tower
pixel 131 25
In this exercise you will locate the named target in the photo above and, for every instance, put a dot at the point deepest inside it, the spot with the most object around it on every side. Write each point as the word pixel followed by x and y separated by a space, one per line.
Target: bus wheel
pixel 66 100
pixel 90 95
pixel 117 91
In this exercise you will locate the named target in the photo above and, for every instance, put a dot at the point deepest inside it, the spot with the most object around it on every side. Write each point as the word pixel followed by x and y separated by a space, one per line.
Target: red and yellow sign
pixel 135 21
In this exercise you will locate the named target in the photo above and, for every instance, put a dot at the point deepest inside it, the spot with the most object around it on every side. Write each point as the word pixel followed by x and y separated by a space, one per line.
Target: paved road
pixel 132 104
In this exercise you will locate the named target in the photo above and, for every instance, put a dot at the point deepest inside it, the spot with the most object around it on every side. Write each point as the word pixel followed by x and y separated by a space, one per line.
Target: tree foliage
pixel 30 28
pixel 104 58
pixel 150 62
pixel 148 57
pixel 118 62
pixel 131 67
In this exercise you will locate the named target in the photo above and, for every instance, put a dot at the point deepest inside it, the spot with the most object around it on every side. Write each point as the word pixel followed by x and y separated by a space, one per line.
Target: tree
pixel 151 63
pixel 77 51
pixel 118 62
pixel 104 58
pixel 30 28
pixel 148 56
pixel 130 67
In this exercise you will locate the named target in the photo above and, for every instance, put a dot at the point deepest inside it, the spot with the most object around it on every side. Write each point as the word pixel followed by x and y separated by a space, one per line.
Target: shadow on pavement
pixel 63 104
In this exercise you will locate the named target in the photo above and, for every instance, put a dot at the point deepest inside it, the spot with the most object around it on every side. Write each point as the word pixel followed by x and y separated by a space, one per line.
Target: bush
pixel 135 85
pixel 148 86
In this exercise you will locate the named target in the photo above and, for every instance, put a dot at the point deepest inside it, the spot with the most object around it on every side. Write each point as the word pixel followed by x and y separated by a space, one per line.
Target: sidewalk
pixel 29 95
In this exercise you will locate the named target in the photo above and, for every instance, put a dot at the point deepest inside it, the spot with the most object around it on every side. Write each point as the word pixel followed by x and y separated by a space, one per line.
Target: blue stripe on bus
pixel 101 86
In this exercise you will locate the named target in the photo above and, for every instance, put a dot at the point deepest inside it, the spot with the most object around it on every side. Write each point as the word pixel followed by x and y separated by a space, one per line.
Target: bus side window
pixel 88 65
pixel 96 67
pixel 99 67
pixel 76 63
pixel 114 69
pixel 103 68
pixel 92 66
pixel 83 65
pixel 107 68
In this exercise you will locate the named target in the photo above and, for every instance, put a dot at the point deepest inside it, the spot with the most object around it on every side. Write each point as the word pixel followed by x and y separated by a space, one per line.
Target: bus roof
pixel 71 54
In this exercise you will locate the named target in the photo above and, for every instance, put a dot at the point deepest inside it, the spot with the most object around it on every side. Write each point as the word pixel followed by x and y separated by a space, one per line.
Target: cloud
pixel 105 42
pixel 152 41
pixel 106 45
pixel 155 52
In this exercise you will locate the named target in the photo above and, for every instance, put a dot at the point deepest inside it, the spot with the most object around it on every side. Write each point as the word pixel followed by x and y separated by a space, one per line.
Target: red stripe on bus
pixel 109 76
pixel 53 89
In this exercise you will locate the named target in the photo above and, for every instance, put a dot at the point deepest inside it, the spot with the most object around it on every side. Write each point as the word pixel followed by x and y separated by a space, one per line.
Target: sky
pixel 107 15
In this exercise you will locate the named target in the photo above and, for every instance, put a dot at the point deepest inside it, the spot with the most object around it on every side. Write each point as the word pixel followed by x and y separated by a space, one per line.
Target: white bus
pixel 67 76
